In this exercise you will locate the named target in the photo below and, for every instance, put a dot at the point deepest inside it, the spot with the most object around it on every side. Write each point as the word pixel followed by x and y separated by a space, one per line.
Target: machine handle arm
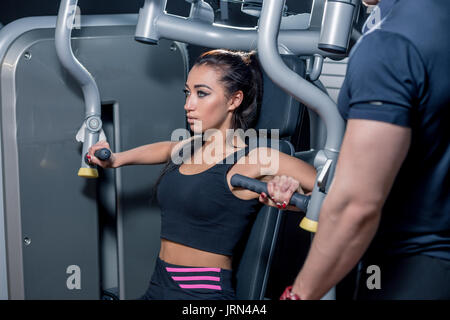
pixel 299 200
pixel 64 24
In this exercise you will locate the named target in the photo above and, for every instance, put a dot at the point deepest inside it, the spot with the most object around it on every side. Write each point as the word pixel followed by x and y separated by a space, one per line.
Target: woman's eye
pixel 202 94
pixel 186 93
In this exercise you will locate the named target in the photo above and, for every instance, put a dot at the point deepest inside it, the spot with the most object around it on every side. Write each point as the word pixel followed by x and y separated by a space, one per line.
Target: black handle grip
pixel 237 180
pixel 103 154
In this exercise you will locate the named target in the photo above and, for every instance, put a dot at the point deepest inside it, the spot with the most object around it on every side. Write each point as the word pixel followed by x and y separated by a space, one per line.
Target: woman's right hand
pixel 93 160
pixel 281 189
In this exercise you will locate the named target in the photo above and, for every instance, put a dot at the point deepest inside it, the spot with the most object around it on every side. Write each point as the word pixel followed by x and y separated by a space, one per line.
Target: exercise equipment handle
pixel 237 180
pixel 103 154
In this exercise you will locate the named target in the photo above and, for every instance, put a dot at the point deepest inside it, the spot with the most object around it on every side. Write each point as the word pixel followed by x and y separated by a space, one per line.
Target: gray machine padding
pixel 280 110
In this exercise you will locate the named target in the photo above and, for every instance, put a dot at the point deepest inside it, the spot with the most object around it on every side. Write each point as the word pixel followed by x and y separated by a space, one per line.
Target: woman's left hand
pixel 281 189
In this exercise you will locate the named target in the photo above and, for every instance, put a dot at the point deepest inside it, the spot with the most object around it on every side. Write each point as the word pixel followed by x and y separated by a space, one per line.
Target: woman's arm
pixel 268 165
pixel 154 153
pixel 271 162
pixel 295 168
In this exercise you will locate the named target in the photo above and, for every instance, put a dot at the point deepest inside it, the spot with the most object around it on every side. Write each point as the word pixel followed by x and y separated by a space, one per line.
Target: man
pixel 389 203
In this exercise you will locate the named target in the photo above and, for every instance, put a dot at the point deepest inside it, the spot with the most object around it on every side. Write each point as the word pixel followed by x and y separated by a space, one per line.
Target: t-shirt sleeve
pixel 385 79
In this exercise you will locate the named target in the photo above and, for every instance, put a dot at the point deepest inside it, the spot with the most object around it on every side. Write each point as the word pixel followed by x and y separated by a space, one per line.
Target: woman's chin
pixel 195 129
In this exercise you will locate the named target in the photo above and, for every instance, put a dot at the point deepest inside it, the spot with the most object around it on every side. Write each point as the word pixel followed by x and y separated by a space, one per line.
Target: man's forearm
pixel 344 233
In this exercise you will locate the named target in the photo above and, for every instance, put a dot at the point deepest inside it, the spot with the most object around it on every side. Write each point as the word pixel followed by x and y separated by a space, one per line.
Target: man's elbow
pixel 354 210
pixel 363 213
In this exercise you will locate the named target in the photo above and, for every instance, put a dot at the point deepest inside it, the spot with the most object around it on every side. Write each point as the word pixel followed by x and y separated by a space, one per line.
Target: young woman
pixel 204 218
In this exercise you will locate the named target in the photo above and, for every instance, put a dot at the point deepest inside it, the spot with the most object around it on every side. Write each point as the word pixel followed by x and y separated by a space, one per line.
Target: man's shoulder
pixel 422 22
pixel 379 47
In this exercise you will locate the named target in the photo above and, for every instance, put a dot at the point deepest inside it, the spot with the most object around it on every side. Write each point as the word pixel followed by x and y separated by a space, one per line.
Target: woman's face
pixel 207 105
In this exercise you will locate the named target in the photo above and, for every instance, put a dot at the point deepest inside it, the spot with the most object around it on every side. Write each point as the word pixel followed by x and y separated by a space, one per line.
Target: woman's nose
pixel 189 105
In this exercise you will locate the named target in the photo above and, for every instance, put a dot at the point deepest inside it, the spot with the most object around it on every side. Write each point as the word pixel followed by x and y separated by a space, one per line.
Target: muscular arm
pixel 371 155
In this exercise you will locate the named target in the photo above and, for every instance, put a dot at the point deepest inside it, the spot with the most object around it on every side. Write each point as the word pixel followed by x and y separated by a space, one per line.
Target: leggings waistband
pixel 175 282
pixel 187 277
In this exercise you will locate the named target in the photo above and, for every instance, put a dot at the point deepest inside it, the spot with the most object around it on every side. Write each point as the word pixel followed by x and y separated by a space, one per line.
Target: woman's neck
pixel 227 140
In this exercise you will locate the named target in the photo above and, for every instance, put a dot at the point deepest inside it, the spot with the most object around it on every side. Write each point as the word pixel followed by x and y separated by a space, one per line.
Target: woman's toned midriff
pixel 176 253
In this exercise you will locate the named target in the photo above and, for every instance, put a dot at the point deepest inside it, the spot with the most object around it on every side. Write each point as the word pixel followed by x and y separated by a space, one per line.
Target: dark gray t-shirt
pixel 399 73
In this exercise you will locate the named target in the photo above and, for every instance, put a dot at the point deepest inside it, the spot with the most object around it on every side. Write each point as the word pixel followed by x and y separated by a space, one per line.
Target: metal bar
pixel 289 81
pixel 11 185
pixel 13 30
pixel 64 24
pixel 154 24
pixel 119 211
pixel 316 68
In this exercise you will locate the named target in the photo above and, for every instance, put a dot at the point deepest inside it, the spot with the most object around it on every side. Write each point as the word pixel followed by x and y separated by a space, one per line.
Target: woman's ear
pixel 235 100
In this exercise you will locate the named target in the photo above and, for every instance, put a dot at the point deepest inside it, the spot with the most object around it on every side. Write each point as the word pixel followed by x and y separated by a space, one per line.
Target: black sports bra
pixel 200 211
